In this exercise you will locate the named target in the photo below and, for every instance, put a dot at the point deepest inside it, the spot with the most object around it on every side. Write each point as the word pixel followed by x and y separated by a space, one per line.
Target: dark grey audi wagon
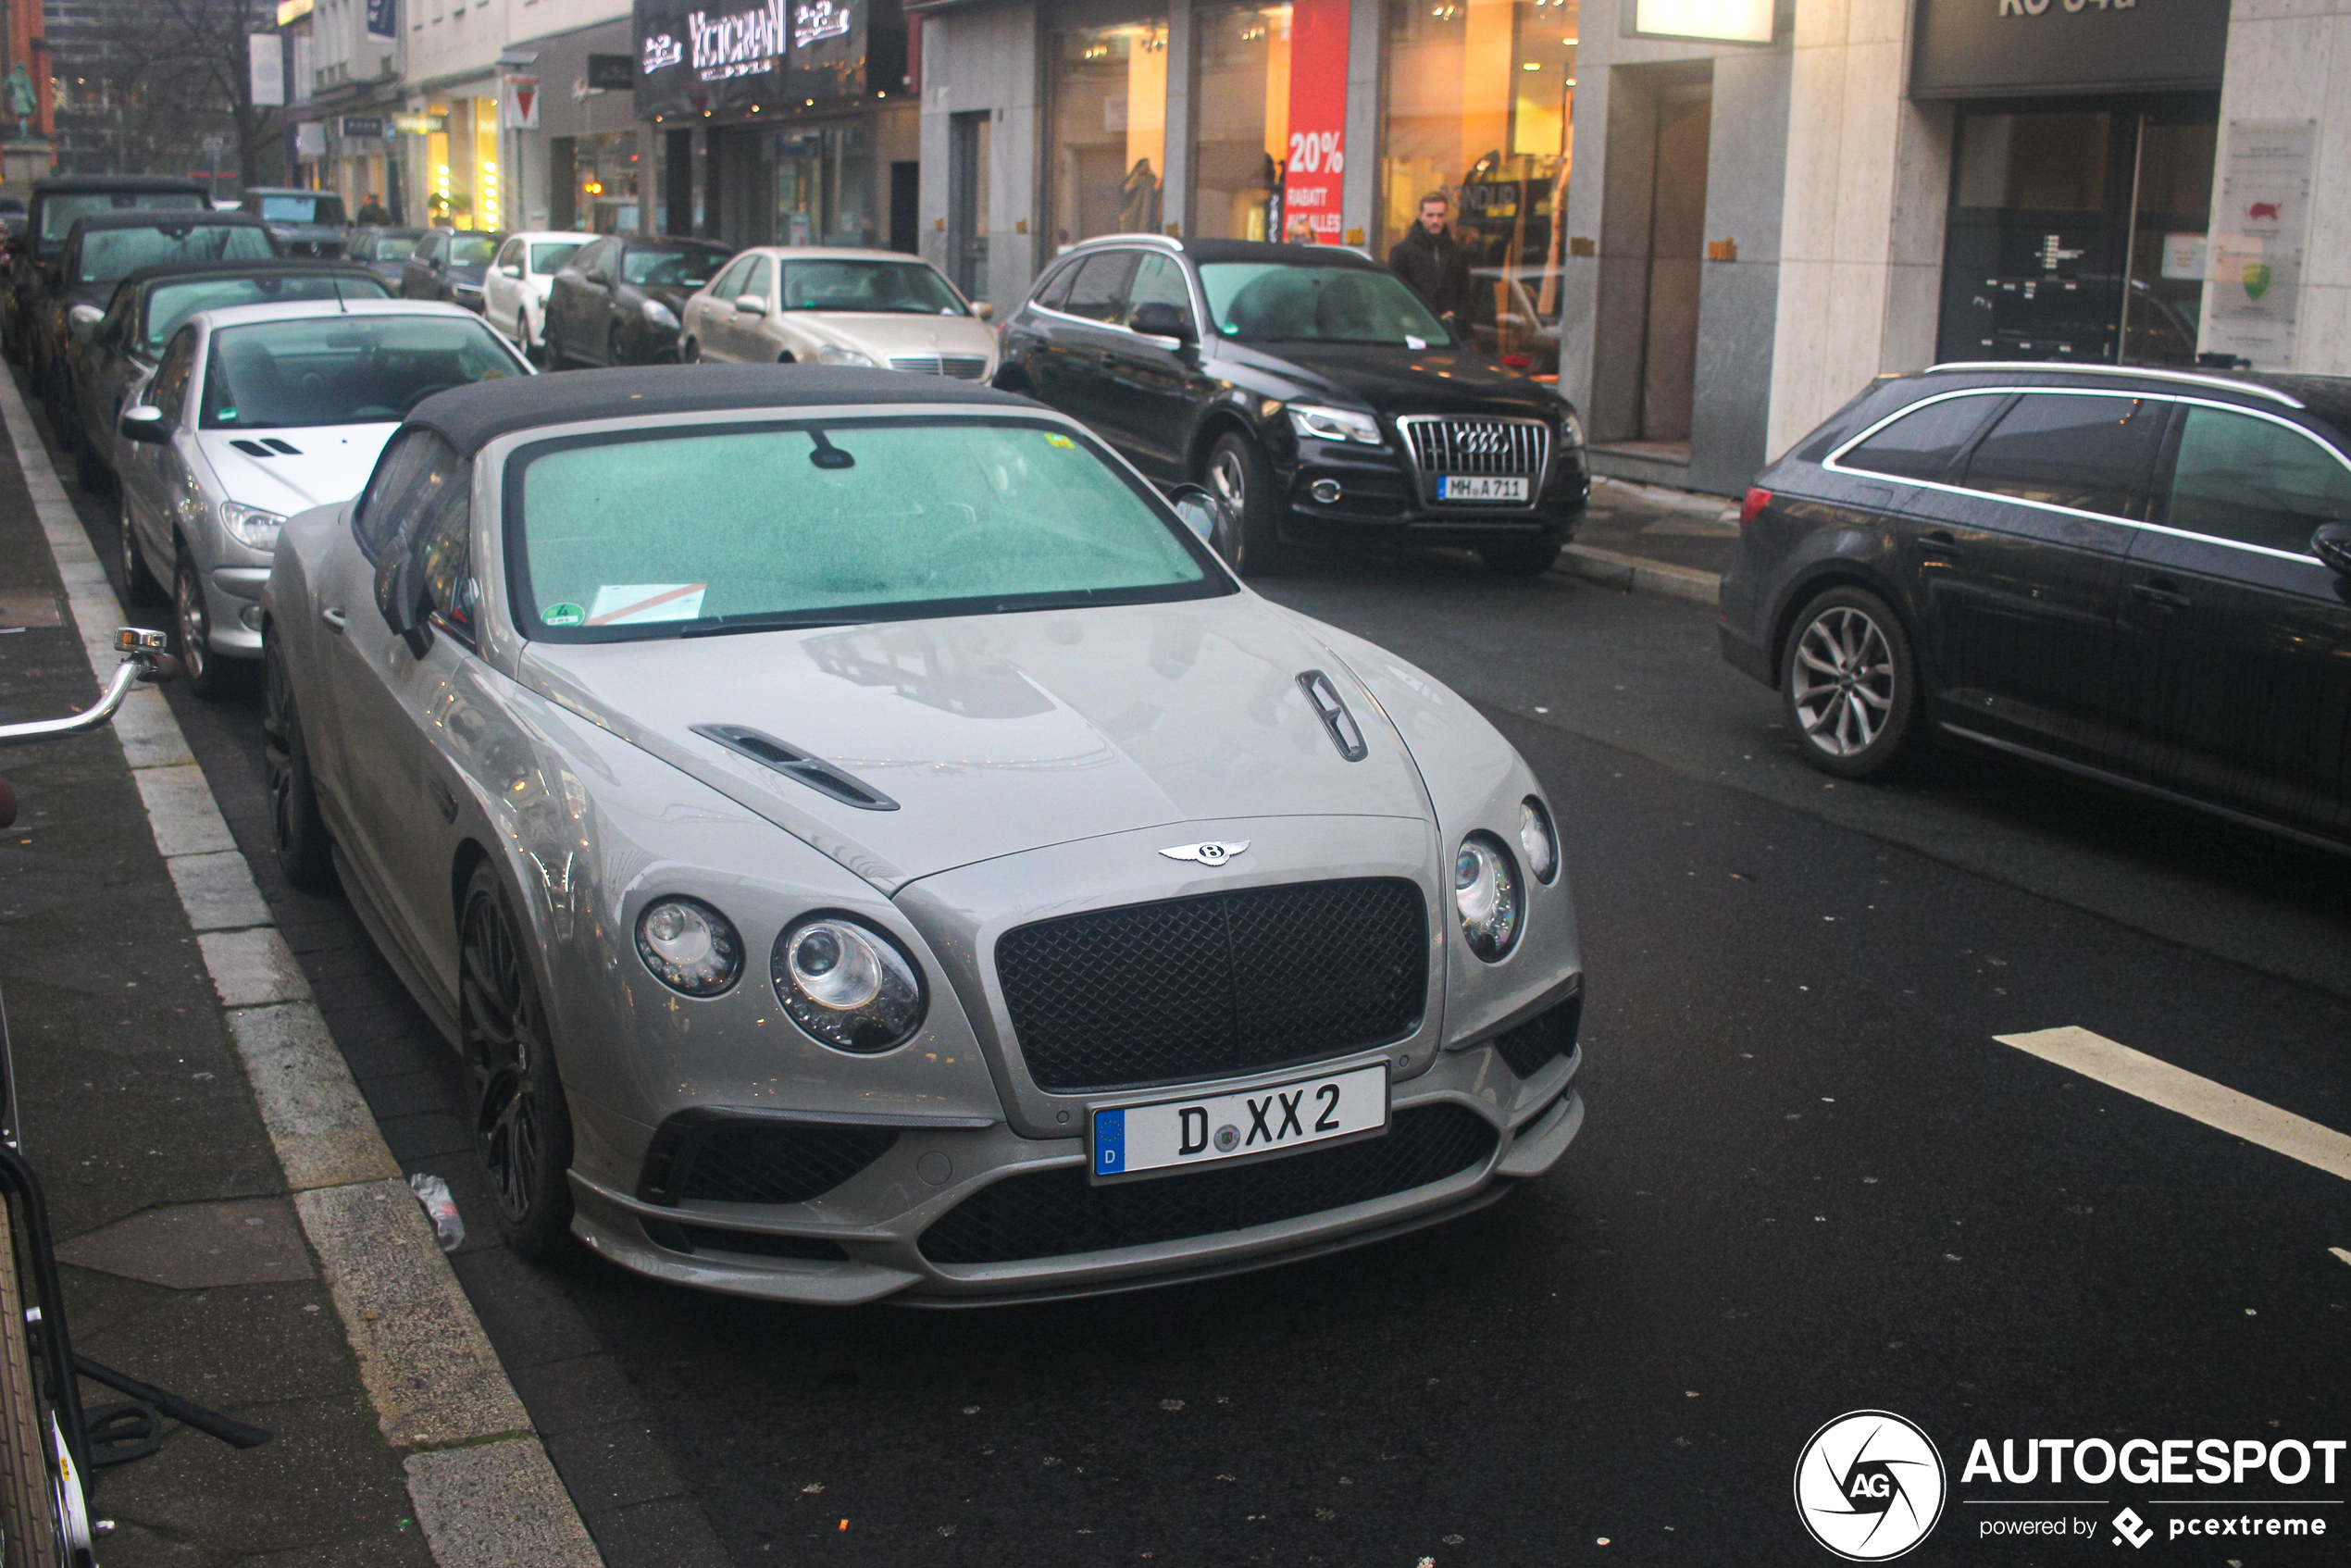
pixel 2142 576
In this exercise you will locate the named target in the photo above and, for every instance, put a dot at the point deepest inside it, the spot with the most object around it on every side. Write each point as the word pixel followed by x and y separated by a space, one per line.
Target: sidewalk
pixel 1650 540
pixel 231 1224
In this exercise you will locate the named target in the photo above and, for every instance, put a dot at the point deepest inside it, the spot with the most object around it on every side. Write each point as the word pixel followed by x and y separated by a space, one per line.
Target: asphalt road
pixel 1812 1182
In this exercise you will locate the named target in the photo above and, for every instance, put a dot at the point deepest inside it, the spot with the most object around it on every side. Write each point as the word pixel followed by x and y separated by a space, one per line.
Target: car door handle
pixel 1941 545
pixel 334 618
pixel 2165 596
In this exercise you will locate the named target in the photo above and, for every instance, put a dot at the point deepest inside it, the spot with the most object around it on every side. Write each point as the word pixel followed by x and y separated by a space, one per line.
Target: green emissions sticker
pixel 563 615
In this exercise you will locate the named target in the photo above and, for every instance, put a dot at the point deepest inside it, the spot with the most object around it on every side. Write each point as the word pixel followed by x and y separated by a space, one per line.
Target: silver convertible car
pixel 864 844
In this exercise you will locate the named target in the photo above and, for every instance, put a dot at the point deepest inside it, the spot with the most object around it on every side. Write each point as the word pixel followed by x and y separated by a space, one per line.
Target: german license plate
pixel 1214 1129
pixel 1479 486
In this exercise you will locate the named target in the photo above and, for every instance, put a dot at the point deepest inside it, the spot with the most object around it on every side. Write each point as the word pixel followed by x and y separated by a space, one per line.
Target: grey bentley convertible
pixel 863 843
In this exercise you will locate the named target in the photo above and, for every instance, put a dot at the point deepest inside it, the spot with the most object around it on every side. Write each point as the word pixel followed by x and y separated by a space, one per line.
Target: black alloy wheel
pixel 139 585
pixel 1240 477
pixel 1530 557
pixel 522 1127
pixel 297 831
pixel 210 675
pixel 1850 686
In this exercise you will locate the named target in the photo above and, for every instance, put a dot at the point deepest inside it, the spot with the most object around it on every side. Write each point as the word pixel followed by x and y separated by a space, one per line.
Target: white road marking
pixel 2175 1089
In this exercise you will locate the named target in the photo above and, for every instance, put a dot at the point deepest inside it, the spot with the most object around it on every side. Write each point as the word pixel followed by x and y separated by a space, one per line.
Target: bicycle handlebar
pixel 144 659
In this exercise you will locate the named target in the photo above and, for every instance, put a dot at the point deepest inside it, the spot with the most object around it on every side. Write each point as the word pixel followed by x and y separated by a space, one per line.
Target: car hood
pixel 886 336
pixel 997 734
pixel 329 463
pixel 1403 380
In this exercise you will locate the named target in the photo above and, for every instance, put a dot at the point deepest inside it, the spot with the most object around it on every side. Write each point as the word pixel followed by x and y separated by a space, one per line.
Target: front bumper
pixel 871 1229
pixel 233 597
pixel 1380 498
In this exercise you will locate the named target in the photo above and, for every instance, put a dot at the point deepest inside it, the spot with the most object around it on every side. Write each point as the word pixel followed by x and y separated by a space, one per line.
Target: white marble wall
pixel 1862 227
pixel 2291 59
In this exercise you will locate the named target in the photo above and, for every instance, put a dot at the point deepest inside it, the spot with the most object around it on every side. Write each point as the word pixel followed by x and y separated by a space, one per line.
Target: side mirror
pixel 400 598
pixel 145 422
pixel 1158 319
pixel 752 304
pixel 84 319
pixel 1205 513
pixel 512 269
pixel 985 311
pixel 2332 544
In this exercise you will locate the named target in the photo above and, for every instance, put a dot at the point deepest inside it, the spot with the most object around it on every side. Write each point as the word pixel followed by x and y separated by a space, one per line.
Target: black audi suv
pixel 1310 389
pixel 2143 575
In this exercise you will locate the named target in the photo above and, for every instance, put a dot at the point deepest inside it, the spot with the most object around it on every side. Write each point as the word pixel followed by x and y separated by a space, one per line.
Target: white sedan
pixel 259 411
pixel 800 305
pixel 514 291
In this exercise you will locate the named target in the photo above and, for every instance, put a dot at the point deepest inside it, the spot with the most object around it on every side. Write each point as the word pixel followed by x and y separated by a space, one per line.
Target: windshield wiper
pixel 764 620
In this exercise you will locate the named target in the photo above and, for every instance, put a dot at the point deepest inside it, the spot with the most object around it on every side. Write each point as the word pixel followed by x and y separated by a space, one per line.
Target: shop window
pixel 1109 131
pixel 1243 121
pixel 1480 107
pixel 604 182
pixel 824 187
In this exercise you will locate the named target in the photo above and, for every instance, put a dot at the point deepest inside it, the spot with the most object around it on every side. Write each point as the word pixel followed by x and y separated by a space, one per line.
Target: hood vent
pixel 288 448
pixel 814 772
pixel 252 449
pixel 1346 734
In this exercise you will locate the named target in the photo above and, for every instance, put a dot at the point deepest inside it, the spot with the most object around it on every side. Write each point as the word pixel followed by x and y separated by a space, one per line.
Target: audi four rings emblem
pixel 1210 854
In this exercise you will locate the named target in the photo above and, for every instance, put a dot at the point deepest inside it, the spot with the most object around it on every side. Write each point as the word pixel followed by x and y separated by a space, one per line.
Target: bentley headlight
pixel 1318 423
pixel 1537 839
pixel 250 525
pixel 1486 892
pixel 689 946
pixel 849 987
pixel 659 313
pixel 829 355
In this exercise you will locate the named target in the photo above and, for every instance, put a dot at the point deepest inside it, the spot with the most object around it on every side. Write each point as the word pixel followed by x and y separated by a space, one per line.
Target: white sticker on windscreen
pixel 631 604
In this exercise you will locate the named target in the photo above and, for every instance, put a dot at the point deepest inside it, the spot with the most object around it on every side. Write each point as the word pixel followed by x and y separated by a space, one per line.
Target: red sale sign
pixel 1311 175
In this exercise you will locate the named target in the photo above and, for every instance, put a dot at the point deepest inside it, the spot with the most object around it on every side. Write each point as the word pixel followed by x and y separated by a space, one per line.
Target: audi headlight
pixel 690 947
pixel 848 986
pixel 831 355
pixel 1318 423
pixel 1571 428
pixel 1537 840
pixel 658 313
pixel 1486 892
pixel 250 525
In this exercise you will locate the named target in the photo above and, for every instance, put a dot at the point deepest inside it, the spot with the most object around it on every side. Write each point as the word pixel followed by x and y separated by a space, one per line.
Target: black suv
pixel 2143 575
pixel 58 202
pixel 1324 401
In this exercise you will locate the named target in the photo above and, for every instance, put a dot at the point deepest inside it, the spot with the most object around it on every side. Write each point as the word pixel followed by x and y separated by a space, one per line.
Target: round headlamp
pixel 1485 893
pixel 690 947
pixel 1537 839
pixel 848 986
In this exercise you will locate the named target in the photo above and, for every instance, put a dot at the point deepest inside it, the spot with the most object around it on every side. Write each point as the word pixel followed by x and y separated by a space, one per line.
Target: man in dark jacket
pixel 1434 263
pixel 373 211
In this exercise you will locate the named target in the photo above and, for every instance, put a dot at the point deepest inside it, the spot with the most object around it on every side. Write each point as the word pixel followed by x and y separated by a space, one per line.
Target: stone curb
pixel 487 1496
pixel 1636 574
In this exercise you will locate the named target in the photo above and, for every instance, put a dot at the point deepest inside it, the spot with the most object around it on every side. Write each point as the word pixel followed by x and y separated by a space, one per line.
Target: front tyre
pixel 210 675
pixel 522 1126
pixel 139 585
pixel 1241 476
pixel 1849 685
pixel 297 831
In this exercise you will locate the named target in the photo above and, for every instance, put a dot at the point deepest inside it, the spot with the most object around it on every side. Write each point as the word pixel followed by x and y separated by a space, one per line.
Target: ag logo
pixel 1868 1486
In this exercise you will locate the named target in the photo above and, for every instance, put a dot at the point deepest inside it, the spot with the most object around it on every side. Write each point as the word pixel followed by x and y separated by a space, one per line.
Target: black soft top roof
pixel 163 270
pixel 471 417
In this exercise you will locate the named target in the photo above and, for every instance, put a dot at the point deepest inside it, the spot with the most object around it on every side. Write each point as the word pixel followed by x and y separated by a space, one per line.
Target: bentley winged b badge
pixel 1210 854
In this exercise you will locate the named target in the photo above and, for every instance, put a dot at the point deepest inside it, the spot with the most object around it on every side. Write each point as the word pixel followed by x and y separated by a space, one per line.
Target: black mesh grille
pixel 1534 1044
pixel 692 1238
pixel 1222 983
pixel 756 1161
pixel 1050 1214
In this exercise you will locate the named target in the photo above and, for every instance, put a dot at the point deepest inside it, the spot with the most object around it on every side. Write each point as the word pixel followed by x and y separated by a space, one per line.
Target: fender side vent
pixel 814 772
pixel 1346 734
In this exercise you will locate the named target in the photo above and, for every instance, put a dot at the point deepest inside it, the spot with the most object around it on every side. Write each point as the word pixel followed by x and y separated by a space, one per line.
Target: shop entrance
pixel 1677 245
pixel 2077 230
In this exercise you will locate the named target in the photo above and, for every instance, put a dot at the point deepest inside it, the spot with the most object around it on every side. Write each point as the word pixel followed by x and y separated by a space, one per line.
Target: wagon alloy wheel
pixel 1849 684
pixel 521 1125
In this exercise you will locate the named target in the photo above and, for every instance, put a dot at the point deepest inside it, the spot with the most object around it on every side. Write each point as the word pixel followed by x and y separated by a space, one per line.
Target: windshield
pixel 1284 302
pixel 886 287
pixel 342 369
pixel 552 257
pixel 168 304
pixel 59 211
pixel 109 256
pixel 395 247
pixel 472 249
pixel 683 269
pixel 690 531
pixel 306 208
